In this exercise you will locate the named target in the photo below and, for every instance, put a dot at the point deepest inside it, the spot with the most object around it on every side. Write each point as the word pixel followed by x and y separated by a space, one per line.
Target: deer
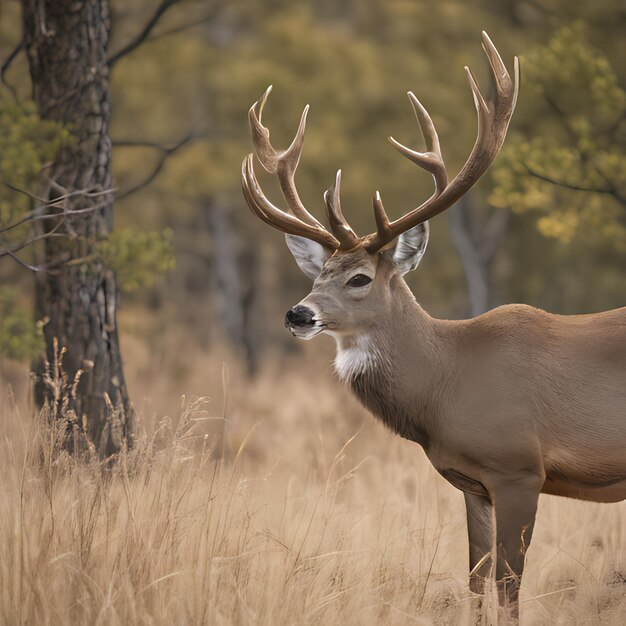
pixel 506 405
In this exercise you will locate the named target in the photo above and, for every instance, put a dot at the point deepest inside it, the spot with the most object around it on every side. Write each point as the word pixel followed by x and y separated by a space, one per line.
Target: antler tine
pixel 272 215
pixel 493 115
pixel 261 135
pixel 282 163
pixel 383 225
pixel 338 224
pixel 499 72
pixel 431 161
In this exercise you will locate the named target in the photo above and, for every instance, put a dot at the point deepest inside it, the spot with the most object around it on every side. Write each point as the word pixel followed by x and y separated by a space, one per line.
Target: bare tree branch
pixel 147 35
pixel 7 63
pixel 56 209
pixel 66 195
pixel 165 154
pixel 561 116
pixel 36 214
pixel 139 143
pixel 11 250
pixel 32 218
pixel 191 24
pixel 161 9
pixel 33 268
pixel 612 129
pixel 29 194
pixel 610 190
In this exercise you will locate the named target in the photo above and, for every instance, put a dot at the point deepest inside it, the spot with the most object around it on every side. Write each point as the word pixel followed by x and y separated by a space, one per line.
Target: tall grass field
pixel 273 501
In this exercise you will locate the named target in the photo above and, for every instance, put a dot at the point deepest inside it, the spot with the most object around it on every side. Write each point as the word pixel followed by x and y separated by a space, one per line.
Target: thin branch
pixel 33 268
pixel 540 6
pixel 165 154
pixel 28 242
pixel 161 9
pixel 61 216
pixel 31 219
pixel 11 251
pixel 196 255
pixel 28 266
pixel 209 17
pixel 138 143
pixel 612 129
pixel 561 115
pixel 35 215
pixel 29 194
pixel 65 194
pixel 563 119
pixel 611 191
pixel 7 63
pixel 147 143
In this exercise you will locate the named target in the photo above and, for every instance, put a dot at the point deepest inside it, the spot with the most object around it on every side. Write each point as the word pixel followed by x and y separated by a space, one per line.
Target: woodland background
pixel 546 226
pixel 204 286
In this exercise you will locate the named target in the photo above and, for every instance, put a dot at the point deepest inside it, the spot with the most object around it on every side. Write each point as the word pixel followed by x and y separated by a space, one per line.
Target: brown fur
pixel 506 405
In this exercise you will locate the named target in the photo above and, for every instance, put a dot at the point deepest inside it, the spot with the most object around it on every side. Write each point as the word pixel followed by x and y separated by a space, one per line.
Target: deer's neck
pixel 395 367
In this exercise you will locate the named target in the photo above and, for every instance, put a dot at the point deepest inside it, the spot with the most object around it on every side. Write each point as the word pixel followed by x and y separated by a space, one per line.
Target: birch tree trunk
pixel 476 238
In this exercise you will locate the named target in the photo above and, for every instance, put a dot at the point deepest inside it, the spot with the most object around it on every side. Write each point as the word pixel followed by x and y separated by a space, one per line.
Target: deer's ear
pixel 309 255
pixel 410 248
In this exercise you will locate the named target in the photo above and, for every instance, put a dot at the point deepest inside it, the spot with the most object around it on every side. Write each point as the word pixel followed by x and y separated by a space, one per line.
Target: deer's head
pixel 354 277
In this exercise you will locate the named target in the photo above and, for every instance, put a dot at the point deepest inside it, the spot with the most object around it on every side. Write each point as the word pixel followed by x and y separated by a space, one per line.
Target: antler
pixel 338 224
pixel 493 122
pixel 284 165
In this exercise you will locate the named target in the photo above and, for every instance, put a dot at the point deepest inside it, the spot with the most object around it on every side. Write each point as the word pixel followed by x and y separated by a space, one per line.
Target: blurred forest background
pixel 197 272
pixel 314 513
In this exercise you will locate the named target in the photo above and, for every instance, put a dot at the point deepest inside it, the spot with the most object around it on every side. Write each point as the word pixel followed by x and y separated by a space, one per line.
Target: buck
pixel 507 405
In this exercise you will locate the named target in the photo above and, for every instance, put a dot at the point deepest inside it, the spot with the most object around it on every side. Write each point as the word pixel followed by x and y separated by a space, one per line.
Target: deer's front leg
pixel 480 531
pixel 515 506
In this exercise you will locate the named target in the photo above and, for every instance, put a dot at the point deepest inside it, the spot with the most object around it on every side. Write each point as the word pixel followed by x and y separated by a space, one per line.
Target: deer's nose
pixel 299 315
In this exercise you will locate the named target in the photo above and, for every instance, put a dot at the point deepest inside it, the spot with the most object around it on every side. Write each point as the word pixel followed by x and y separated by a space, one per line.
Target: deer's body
pixel 507 405
pixel 515 391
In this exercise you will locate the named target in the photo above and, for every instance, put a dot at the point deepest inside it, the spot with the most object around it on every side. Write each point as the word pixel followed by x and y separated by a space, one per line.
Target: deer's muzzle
pixel 299 316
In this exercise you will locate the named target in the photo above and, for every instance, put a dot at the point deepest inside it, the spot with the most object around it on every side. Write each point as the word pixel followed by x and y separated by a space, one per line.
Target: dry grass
pixel 318 517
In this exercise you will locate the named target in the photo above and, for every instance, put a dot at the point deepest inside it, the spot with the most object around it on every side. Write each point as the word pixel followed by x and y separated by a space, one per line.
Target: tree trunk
pixel 226 250
pixel 66 42
pixel 235 266
pixel 476 237
pixel 476 271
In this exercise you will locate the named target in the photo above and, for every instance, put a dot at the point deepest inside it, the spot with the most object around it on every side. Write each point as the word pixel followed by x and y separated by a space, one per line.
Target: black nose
pixel 299 316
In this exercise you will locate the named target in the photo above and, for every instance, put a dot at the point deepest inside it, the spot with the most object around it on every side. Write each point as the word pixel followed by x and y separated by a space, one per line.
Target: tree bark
pixel 66 43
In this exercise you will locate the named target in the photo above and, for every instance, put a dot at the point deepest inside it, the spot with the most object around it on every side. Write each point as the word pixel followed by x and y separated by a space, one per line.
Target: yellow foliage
pixel 573 174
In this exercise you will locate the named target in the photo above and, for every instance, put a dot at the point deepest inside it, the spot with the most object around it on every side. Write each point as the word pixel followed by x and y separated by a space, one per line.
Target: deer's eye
pixel 359 280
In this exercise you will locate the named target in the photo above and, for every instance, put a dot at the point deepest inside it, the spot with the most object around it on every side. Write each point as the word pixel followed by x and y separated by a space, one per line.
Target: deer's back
pixel 559 379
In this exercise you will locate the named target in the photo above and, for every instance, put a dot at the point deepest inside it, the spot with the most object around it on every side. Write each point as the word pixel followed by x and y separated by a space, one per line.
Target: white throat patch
pixel 355 359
